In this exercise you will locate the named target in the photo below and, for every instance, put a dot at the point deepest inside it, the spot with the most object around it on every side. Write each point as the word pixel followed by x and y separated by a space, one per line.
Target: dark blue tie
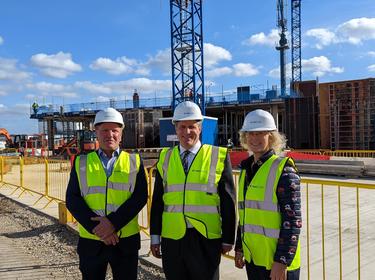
pixel 185 162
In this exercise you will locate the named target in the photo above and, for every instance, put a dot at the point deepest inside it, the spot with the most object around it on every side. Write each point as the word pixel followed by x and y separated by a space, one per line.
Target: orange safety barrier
pixel 237 156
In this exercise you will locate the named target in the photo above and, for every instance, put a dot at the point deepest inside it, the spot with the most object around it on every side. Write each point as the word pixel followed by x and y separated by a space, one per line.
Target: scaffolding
pixel 351 114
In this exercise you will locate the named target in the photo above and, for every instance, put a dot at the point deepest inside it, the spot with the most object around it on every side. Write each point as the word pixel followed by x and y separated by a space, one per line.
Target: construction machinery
pixel 8 138
pixel 187 52
pixel 283 43
pixel 84 141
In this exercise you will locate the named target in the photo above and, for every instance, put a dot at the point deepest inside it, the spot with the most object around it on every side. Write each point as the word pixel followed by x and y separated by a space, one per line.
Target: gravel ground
pixel 49 243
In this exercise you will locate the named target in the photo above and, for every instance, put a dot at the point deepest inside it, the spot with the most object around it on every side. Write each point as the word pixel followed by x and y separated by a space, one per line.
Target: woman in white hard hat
pixel 269 204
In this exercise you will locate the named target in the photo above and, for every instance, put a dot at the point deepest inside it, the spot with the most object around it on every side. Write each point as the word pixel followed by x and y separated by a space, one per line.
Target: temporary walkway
pixel 15 264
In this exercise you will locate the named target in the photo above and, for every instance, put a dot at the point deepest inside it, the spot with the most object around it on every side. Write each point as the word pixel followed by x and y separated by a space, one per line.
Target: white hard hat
pixel 109 115
pixel 258 120
pixel 187 111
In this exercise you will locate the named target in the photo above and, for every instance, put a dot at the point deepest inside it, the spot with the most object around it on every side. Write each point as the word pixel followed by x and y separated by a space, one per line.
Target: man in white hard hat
pixel 106 190
pixel 193 206
pixel 269 204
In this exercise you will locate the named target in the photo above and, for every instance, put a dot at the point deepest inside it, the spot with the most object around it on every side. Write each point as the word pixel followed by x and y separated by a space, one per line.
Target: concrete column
pixel 51 134
pixel 274 110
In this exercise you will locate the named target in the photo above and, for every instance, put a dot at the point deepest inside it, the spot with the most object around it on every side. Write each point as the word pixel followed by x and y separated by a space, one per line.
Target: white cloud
pixel 15 110
pixel 58 65
pixel 371 68
pixel 143 85
pixel 324 37
pixel 46 87
pixel 31 96
pixel 94 88
pixel 270 39
pixel 102 98
pixel 245 70
pixel 65 94
pixel 217 72
pixel 10 72
pixel 121 65
pixel 16 118
pixel 49 89
pixel 214 54
pixel 371 54
pixel 1 40
pixel 357 30
pixel 275 72
pixel 353 31
pixel 318 66
pixel 162 61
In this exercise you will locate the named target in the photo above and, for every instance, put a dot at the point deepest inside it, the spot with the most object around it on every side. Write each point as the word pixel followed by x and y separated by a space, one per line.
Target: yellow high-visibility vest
pixel 193 196
pixel 260 218
pixel 105 195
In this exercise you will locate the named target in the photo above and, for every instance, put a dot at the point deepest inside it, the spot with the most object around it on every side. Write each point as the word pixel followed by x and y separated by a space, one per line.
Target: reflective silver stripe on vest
pixel 267 204
pixel 261 205
pixel 191 187
pixel 86 190
pixel 120 186
pixel 214 160
pixel 271 178
pixel 100 213
pixel 268 232
pixel 112 207
pixel 83 175
pixel 94 190
pixel 209 187
pixel 132 172
pixel 165 166
pixel 190 208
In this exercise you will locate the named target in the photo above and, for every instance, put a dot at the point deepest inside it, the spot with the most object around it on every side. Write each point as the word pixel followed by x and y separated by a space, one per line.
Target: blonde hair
pixel 277 141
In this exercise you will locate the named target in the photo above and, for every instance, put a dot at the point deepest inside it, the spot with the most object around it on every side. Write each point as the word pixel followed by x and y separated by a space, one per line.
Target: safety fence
pixel 340 153
pixel 337 240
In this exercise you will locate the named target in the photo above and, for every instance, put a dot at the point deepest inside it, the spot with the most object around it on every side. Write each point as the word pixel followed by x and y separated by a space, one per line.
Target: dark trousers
pixel 255 272
pixel 124 266
pixel 192 257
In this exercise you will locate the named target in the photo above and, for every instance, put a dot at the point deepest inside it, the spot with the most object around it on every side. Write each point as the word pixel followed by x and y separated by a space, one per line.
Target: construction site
pixel 330 131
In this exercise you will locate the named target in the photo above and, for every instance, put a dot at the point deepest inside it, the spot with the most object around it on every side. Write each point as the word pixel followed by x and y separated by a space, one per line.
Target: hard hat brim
pixel 256 129
pixel 109 121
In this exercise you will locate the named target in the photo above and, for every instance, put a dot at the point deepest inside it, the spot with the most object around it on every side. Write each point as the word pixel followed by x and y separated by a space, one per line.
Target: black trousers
pixel 124 266
pixel 255 272
pixel 192 257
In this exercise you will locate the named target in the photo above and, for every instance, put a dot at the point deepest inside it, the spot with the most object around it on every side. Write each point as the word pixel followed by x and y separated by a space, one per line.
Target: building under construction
pixel 347 115
pixel 302 116
pixel 141 116
pixel 336 115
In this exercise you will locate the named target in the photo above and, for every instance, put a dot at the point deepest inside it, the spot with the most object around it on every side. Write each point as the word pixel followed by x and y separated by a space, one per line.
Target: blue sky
pixel 66 52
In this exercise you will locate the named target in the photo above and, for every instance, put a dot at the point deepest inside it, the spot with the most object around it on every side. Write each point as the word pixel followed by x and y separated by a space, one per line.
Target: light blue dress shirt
pixel 108 163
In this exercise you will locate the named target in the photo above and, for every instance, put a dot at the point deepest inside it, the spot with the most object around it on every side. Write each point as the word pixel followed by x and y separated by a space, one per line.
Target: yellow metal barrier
pixel 36 176
pixel 351 153
pixel 339 153
pixel 336 223
pixel 309 151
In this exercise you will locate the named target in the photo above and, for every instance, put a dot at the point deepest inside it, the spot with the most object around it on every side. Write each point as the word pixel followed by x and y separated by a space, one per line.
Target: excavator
pixel 8 139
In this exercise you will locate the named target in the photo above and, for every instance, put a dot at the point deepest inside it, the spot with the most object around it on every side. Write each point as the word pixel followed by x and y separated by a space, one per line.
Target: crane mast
pixel 187 52
pixel 296 42
pixel 283 43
